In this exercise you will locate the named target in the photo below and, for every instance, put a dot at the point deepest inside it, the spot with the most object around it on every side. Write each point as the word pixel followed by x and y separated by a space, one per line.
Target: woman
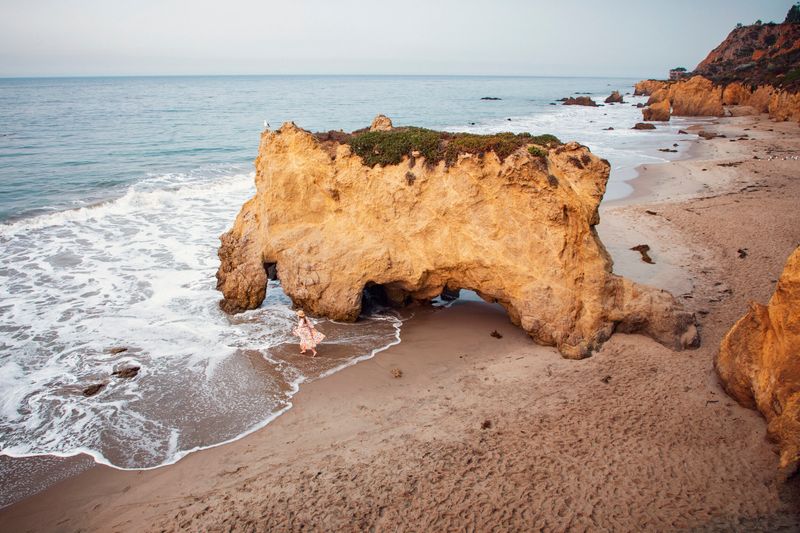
pixel 309 337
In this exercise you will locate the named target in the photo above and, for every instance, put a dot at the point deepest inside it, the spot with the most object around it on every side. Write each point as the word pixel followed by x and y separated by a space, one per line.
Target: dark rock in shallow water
pixel 126 372
pixel 118 349
pixel 581 100
pixel 608 128
pixel 91 390
pixel 643 126
pixel 614 98
pixel 681 132
pixel 640 105
pixel 491 98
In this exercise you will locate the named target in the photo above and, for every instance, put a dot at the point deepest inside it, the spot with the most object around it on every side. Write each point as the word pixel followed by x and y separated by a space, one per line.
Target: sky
pixel 419 37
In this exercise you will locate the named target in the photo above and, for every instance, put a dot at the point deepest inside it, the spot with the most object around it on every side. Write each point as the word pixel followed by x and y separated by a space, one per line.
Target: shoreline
pixel 96 457
pixel 447 359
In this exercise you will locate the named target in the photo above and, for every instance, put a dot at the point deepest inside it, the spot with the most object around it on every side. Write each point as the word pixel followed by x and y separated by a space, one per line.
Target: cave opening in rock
pixel 272 271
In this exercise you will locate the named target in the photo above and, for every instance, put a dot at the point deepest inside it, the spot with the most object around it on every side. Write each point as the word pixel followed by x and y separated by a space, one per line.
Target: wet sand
pixel 484 433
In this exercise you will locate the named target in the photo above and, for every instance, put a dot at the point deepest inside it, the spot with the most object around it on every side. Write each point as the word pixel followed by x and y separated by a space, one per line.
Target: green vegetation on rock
pixel 389 147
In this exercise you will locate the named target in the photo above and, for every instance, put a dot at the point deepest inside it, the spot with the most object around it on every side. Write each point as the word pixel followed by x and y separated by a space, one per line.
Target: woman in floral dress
pixel 309 336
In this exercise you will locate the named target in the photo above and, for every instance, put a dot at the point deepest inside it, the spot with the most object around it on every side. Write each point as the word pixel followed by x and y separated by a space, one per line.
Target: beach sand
pixel 485 433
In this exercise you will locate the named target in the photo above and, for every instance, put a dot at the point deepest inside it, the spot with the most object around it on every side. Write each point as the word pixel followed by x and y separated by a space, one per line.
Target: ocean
pixel 113 193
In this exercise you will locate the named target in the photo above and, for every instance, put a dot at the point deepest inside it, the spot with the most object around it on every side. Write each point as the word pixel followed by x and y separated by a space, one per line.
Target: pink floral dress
pixel 309 337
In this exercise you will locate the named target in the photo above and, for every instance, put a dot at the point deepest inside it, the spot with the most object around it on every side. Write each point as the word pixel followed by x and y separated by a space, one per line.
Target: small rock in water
pixel 118 349
pixel 681 132
pixel 91 390
pixel 496 334
pixel 491 98
pixel 126 372
pixel 643 126
pixel 643 249
pixel 397 373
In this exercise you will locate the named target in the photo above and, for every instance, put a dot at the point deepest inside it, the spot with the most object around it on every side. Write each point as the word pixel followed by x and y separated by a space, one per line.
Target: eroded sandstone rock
pixel 614 98
pixel 657 112
pixel 381 123
pixel 517 230
pixel 648 87
pixel 696 97
pixel 759 361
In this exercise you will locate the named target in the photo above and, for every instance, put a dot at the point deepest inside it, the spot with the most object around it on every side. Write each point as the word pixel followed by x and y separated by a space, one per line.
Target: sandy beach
pixel 484 433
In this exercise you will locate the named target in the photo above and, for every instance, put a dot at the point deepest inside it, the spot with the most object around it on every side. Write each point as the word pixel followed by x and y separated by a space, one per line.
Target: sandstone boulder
pixel 759 361
pixel 381 123
pixel 517 226
pixel 643 126
pixel 614 98
pixel 657 112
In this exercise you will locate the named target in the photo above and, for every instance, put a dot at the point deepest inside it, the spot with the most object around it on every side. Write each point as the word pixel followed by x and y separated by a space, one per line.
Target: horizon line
pixel 90 76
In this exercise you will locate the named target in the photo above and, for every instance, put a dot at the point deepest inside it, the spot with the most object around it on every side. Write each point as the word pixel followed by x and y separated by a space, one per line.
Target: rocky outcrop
pixel 648 87
pixel 515 223
pixel 580 100
pixel 643 126
pixel 614 98
pixel 381 123
pixel 696 97
pixel 760 54
pixel 784 106
pixel 657 112
pixel 756 67
pixel 759 361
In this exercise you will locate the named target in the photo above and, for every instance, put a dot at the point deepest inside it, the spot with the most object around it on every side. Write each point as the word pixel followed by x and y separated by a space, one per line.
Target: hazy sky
pixel 549 38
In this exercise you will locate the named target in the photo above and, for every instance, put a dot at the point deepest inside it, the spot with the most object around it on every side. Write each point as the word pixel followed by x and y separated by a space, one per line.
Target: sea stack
pixel 759 361
pixel 409 213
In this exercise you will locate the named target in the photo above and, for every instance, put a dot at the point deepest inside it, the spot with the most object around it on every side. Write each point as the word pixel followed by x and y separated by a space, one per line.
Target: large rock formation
pixel 514 222
pixel 756 67
pixel 760 54
pixel 648 87
pixel 759 361
pixel 657 112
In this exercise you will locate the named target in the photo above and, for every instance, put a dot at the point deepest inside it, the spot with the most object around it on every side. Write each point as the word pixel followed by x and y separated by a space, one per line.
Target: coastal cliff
pixel 759 361
pixel 405 214
pixel 756 67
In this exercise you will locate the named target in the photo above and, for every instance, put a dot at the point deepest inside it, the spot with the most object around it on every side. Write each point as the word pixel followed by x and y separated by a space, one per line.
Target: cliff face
pixel 756 67
pixel 759 361
pixel 762 54
pixel 517 227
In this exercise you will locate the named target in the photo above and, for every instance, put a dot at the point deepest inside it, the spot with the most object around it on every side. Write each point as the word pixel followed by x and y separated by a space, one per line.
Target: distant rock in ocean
pixel 614 98
pixel 759 361
pixel 580 100
pixel 406 214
